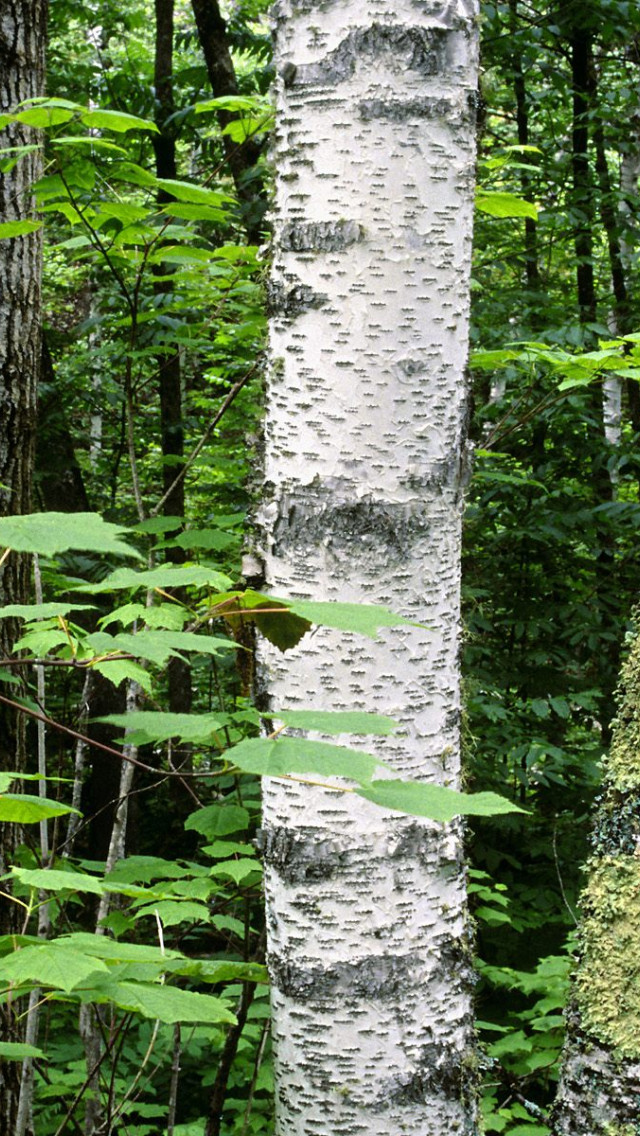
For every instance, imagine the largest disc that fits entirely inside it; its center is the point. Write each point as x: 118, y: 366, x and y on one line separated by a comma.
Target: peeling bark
x: 369, y: 947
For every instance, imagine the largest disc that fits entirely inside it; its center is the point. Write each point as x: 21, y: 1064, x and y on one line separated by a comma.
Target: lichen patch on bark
x: 608, y: 982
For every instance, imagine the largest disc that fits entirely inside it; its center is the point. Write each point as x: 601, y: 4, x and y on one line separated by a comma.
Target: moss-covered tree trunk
x: 599, y: 1091
x: 365, y: 441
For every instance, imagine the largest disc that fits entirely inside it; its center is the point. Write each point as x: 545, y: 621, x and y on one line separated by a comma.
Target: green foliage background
x: 550, y: 566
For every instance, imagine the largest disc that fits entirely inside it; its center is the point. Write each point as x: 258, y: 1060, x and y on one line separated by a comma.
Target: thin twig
x: 559, y: 874
x: 235, y: 390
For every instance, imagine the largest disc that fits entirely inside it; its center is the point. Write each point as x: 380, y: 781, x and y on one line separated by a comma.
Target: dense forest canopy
x: 135, y: 244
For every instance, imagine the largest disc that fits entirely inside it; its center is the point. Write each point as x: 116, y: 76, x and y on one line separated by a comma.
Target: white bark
x: 364, y: 465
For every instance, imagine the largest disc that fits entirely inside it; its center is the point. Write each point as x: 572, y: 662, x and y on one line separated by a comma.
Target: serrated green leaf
x: 43, y: 116
x: 282, y: 756
x: 498, y: 204
x: 10, y: 229
x: 121, y: 670
x: 99, y: 119
x: 159, y: 524
x: 20, y: 808
x: 168, y: 576
x: 191, y: 212
x: 160, y: 726
x: 335, y: 721
x: 49, y: 965
x: 364, y: 619
x: 272, y: 618
x: 210, y: 970
x: 125, y: 614
x: 210, y: 539
x: 237, y: 870
x: 18, y: 1050
x: 78, y: 141
x: 491, y: 360
x: 101, y: 947
x: 124, y: 212
x: 134, y: 175
x: 46, y: 879
x: 218, y: 820
x: 166, y: 1003
x: 187, y: 191
x: 41, y: 611
x: 143, y: 869
x: 42, y: 640
x: 172, y: 912
x: 237, y: 103
x: 52, y: 533
x: 434, y: 801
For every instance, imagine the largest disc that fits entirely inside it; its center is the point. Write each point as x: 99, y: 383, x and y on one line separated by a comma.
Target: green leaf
x: 41, y: 611
x: 210, y: 970
x: 190, y: 212
x: 10, y: 229
x: 282, y: 756
x: 124, y: 212
x: 280, y: 626
x: 49, y: 965
x: 51, y: 533
x: 143, y: 869
x: 41, y: 640
x: 492, y: 360
x: 160, y: 726
x: 434, y: 801
x: 101, y: 947
x: 187, y: 191
x: 167, y: 1003
x: 561, y: 707
x: 45, y: 879
x: 237, y: 103
x: 498, y: 204
x: 173, y: 912
x: 20, y: 808
x: 218, y: 820
x: 43, y: 116
x: 121, y: 670
x: 157, y: 525
x: 335, y: 721
x: 92, y: 143
x: 364, y: 619
x: 210, y: 539
x: 115, y: 120
x: 168, y: 576
x: 237, y: 870
x: 18, y: 1050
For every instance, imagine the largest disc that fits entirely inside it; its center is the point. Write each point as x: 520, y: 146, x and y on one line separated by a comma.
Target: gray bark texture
x: 22, y: 45
x: 369, y: 947
x: 599, y: 1090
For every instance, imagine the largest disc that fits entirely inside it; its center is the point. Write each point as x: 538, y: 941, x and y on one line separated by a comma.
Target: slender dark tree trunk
x: 22, y: 54
x: 59, y: 482
x: 242, y: 159
x: 583, y: 206
x: 169, y: 369
x: 522, y: 122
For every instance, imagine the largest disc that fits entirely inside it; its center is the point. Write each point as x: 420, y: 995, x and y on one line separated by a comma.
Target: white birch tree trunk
x: 369, y: 947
